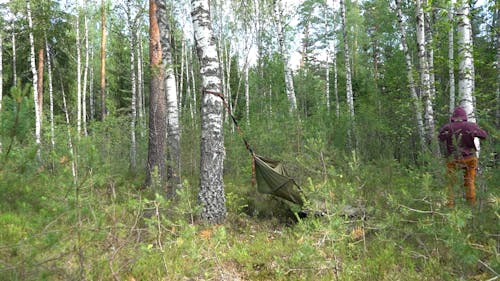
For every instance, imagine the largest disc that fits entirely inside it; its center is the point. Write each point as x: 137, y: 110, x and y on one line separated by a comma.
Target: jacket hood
x: 459, y: 115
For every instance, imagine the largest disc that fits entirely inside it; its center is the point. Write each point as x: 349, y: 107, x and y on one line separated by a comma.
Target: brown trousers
x: 469, y: 165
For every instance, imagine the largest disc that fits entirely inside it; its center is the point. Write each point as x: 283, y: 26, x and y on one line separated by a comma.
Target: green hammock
x: 273, y: 179
x: 270, y: 175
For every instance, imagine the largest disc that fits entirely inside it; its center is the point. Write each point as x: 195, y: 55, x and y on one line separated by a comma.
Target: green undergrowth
x: 381, y: 221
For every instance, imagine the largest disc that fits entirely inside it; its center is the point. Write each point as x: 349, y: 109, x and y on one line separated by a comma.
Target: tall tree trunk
x: 40, y: 82
x: 181, y: 76
x: 70, y: 140
x: 85, y: 70
x: 140, y: 86
x: 133, y: 106
x: 51, y: 95
x: 14, y: 59
x: 211, y: 194
x: 425, y: 78
x: 247, y: 96
x: 451, y: 54
x: 157, y: 106
x: 430, y: 49
x: 91, y: 87
x: 327, y: 63
x: 103, y: 60
x: 78, y: 77
x: 409, y: 73
x: 347, y: 58
x: 290, y: 91
x: 466, y: 64
x: 38, y: 120
x: 173, y: 127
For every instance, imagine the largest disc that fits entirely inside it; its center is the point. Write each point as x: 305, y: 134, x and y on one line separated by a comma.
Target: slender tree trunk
x: 85, y: 70
x: 247, y: 97
x: 173, y: 127
x: 133, y: 106
x: 290, y: 91
x: 157, y: 106
x: 430, y: 49
x: 409, y: 73
x: 103, y: 60
x: 181, y: 76
x: 211, y: 194
x: 91, y: 87
x: 451, y: 55
x: 193, y: 88
x: 14, y: 59
x: 327, y: 63
x: 466, y: 63
x: 140, y: 86
x: 38, y: 122
x: 349, y: 91
x: 78, y: 77
x: 40, y: 82
x: 335, y: 81
x: 51, y: 95
x: 70, y: 140
x: 425, y: 78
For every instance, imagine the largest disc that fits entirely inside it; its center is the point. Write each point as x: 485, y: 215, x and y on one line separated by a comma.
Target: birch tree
x: 157, y: 106
x: 409, y: 74
x: 38, y: 120
x: 14, y: 57
x: 85, y: 69
x: 466, y: 60
x: 497, y: 10
x: 133, y: 106
x: 1, y: 79
x: 211, y: 194
x: 78, y: 76
x: 172, y: 118
x: 451, y: 54
x: 466, y: 64
x: 103, y: 60
x: 424, y: 76
x: 51, y: 95
x: 290, y: 91
x: 347, y: 58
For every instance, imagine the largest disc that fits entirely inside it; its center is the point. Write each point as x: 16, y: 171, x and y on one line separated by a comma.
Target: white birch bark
x: 327, y: 62
x: 181, y: 76
x: 70, y: 140
x: 140, y: 86
x: 247, y: 97
x: 430, y: 50
x: 173, y: 127
x: 14, y: 58
x: 133, y: 106
x: 211, y: 194
x: 409, y: 73
x: 78, y: 76
x: 424, y: 74
x: 451, y: 54
x: 347, y: 56
x: 193, y: 89
x: 290, y: 91
x: 466, y: 64
x: 91, y: 87
x: 38, y: 120
x: 85, y: 71
x: 335, y: 81
x: 51, y: 95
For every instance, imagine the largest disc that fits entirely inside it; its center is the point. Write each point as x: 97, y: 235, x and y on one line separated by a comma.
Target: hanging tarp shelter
x: 270, y: 175
x: 272, y: 178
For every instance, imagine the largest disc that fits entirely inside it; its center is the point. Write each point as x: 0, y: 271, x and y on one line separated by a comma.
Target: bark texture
x: 157, y: 106
x: 173, y: 127
x: 211, y: 194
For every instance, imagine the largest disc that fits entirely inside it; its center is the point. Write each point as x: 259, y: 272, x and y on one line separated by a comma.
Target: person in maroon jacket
x: 458, y: 135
